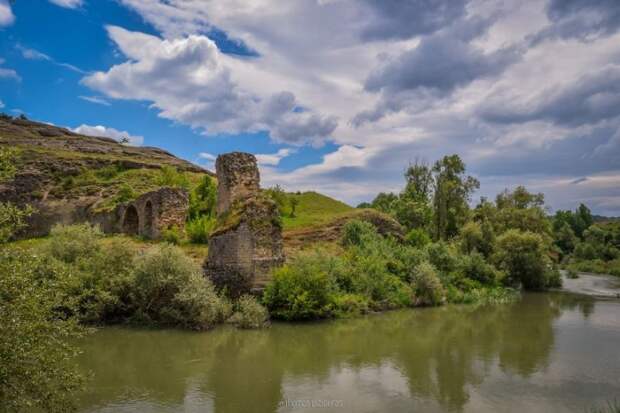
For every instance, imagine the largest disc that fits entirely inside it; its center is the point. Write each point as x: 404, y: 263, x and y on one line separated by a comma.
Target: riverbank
x: 595, y: 285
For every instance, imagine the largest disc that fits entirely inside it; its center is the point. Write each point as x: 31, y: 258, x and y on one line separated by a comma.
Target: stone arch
x: 131, y: 221
x: 148, y: 219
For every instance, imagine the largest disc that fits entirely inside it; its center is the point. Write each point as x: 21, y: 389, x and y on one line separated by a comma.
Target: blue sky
x: 336, y: 95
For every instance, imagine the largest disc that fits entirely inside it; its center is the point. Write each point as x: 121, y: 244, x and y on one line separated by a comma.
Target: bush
x: 249, y: 313
x: 418, y: 238
x: 125, y: 193
x: 173, y: 235
x: 523, y: 255
x: 67, y: 243
x: 12, y: 220
x: 475, y: 267
x: 37, y: 372
x: 427, y: 286
x: 170, y: 176
x: 358, y: 233
x: 351, y: 304
x: 443, y: 257
x: 171, y: 289
x: 199, y: 229
x: 302, y: 290
x: 572, y: 274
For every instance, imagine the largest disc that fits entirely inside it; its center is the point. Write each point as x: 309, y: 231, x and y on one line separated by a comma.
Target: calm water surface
x: 545, y: 353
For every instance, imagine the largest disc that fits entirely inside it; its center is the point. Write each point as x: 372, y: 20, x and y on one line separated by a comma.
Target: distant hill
x: 602, y: 219
x: 67, y: 176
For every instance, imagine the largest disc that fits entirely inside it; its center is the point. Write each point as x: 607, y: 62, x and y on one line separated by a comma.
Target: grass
x: 314, y: 209
x: 197, y: 252
x: 597, y: 267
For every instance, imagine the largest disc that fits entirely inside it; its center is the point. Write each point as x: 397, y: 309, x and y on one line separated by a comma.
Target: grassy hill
x: 314, y: 209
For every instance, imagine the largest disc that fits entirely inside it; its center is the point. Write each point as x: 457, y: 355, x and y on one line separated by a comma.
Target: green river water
x: 548, y: 352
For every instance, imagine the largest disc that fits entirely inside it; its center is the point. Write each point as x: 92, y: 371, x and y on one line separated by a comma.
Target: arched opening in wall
x: 131, y: 221
x: 148, y: 219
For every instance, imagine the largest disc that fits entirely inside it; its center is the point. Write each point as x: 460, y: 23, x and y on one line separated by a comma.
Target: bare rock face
x: 247, y: 244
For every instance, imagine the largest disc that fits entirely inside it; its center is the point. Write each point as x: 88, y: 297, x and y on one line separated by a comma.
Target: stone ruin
x: 150, y: 214
x: 247, y: 243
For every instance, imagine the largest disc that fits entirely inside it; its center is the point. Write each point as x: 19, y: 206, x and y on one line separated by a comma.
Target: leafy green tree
x: 294, y: 202
x: 203, y: 199
x: 384, y: 202
x: 522, y: 210
x: 37, y: 368
x: 452, y: 193
x: 523, y: 256
x: 278, y: 196
x: 565, y: 239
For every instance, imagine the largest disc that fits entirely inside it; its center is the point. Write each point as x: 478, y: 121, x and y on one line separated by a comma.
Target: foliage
x: 199, y: 229
x: 572, y: 274
x: 170, y: 289
x: 418, y: 238
x: 37, y: 372
x: 203, y: 199
x: 453, y: 190
x: 427, y: 286
x: 313, y: 209
x: 12, y: 220
x: 8, y: 163
x: 70, y: 242
x: 249, y: 313
x: 475, y: 267
x: 277, y: 195
x: 523, y: 256
x: 358, y: 233
x: 478, y: 237
x: 294, y: 202
x: 125, y: 193
x: 171, y: 177
x: 303, y: 289
x: 173, y: 235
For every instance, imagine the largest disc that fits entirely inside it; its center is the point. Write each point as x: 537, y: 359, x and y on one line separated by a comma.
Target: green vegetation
x: 249, y: 313
x: 312, y: 209
x: 376, y: 273
x: 12, y: 220
x: 8, y: 163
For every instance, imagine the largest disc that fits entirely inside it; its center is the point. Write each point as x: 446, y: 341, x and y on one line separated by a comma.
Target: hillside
x: 67, y: 176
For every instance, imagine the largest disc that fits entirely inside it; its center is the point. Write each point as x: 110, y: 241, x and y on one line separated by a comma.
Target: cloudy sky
x: 336, y: 95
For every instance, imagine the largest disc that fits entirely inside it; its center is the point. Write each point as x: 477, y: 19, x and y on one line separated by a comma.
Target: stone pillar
x: 247, y: 243
x: 237, y: 178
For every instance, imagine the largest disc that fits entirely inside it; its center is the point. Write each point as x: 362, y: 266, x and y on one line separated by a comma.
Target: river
x: 548, y: 352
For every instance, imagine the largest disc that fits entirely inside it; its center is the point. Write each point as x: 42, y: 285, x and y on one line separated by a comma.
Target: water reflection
x: 443, y: 359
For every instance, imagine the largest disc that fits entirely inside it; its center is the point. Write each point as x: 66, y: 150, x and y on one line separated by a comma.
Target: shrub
x: 418, y: 238
x: 8, y: 162
x: 249, y: 313
x: 37, y: 372
x: 171, y: 289
x: 12, y: 220
x: 572, y: 274
x: 427, y: 286
x: 170, y: 176
x: 67, y: 243
x: 277, y: 195
x: 173, y: 235
x: 203, y: 199
x: 475, y: 267
x: 358, y: 233
x: 302, y: 290
x: 199, y: 229
x: 102, y: 291
x: 523, y: 255
x: 443, y: 257
x: 351, y: 304
x: 125, y: 193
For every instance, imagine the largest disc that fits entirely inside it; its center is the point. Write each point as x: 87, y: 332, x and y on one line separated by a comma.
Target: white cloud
x: 9, y: 74
x: 6, y: 14
x: 95, y: 99
x: 326, y: 72
x: 70, y: 4
x: 32, y: 54
x: 273, y: 159
x: 190, y: 81
x: 109, y: 133
x: 1, y: 104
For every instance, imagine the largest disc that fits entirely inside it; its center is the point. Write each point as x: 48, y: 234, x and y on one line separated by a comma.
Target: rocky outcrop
x: 247, y: 244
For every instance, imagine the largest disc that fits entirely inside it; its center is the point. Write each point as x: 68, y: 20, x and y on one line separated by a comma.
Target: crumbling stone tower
x: 247, y: 243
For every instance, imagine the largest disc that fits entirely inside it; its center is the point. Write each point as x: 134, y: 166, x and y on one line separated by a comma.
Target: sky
x: 337, y: 96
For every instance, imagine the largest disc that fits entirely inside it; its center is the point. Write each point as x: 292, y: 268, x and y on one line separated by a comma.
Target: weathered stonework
x: 237, y: 177
x: 149, y: 215
x: 247, y: 244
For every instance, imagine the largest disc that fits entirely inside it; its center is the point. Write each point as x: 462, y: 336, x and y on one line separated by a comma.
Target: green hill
x: 314, y: 209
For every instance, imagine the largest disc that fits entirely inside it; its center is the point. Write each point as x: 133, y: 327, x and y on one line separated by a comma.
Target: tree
x: 294, y: 202
x: 203, y: 199
x: 384, y: 202
x: 452, y: 193
x: 523, y: 256
x: 277, y: 195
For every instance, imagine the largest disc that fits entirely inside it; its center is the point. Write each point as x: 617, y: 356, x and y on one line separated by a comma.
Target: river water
x: 548, y: 352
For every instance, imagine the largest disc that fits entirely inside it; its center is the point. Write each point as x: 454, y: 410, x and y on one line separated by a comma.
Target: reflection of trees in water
x: 441, y: 352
